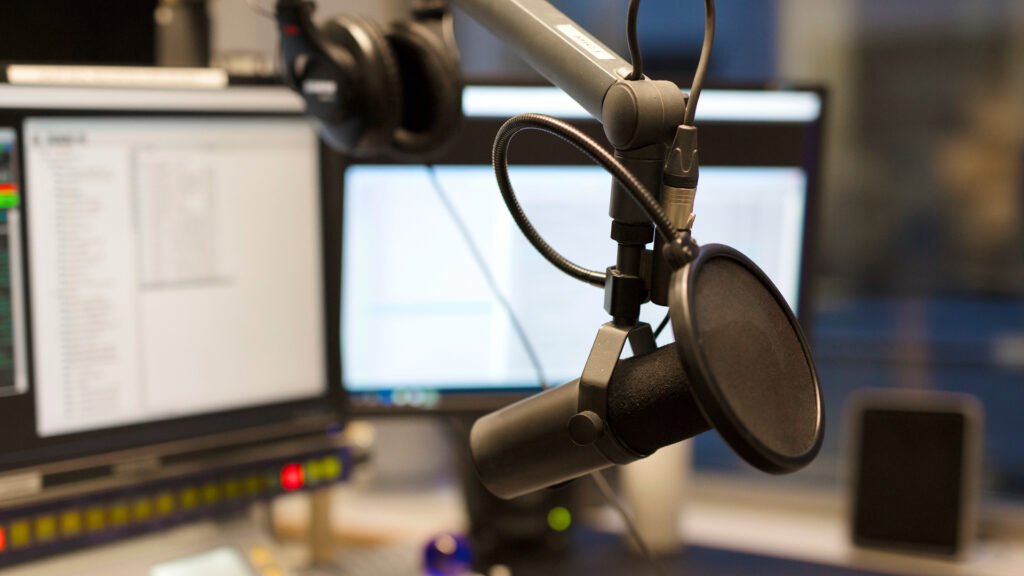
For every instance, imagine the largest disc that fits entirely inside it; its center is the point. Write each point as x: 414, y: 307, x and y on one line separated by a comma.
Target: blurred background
x: 919, y: 268
x: 919, y: 254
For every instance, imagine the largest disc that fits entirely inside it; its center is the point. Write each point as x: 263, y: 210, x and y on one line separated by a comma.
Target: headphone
x: 374, y: 89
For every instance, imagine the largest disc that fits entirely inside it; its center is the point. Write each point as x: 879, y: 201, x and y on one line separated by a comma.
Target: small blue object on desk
x: 448, y: 555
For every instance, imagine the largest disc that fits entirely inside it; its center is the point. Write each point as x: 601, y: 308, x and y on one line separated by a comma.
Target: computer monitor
x: 422, y: 326
x: 167, y: 265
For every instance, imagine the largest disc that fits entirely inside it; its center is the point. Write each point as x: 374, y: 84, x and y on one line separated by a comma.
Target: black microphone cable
x: 661, y: 326
x: 481, y: 264
x: 702, y: 64
x: 633, y: 42
x: 596, y: 153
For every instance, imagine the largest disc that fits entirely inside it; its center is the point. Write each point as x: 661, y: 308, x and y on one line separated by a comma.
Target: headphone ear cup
x: 377, y: 85
x: 431, y: 86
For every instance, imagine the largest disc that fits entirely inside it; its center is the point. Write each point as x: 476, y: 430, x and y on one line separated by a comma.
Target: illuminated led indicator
x: 211, y: 494
x: 559, y: 519
x: 232, y: 488
x: 164, y: 503
x: 3, y: 539
x: 46, y: 528
x: 95, y: 519
x: 9, y: 195
x: 70, y: 523
x: 142, y: 510
x: 253, y: 485
x: 21, y: 534
x: 314, y: 471
x: 189, y: 498
x: 291, y: 477
x: 331, y: 467
x: 119, y: 514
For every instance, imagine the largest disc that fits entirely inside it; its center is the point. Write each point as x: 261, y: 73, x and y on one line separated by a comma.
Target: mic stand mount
x: 589, y: 425
x: 640, y: 118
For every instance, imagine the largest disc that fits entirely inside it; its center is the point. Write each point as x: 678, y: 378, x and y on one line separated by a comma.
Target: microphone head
x: 747, y: 359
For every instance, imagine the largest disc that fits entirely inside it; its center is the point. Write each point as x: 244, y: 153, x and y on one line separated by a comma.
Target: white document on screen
x: 175, y: 267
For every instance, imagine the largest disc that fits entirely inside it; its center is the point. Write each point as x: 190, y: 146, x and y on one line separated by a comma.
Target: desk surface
x: 602, y: 553
x: 777, y: 536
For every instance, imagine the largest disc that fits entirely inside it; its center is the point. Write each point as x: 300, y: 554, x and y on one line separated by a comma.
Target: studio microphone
x: 740, y: 364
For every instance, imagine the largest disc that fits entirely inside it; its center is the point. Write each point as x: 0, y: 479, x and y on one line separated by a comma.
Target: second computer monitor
x: 430, y: 253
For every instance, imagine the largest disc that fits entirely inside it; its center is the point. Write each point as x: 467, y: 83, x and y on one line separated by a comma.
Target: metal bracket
x: 590, y: 424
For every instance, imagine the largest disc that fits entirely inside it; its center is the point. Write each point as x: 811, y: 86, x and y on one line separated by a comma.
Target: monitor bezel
x: 729, y: 139
x: 321, y: 413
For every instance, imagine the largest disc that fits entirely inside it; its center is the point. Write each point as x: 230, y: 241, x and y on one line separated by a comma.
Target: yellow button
x: 331, y: 467
x: 232, y: 488
x: 164, y: 503
x: 253, y: 485
x: 142, y: 509
x: 211, y: 494
x: 20, y: 534
x: 95, y: 519
x: 189, y: 498
x: 119, y: 515
x: 314, y: 471
x: 46, y: 528
x: 70, y: 523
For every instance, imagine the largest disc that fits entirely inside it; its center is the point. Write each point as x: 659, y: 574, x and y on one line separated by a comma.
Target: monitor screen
x: 174, y: 279
x: 423, y: 318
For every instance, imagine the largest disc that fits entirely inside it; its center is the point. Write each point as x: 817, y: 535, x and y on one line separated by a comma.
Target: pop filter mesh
x: 755, y: 358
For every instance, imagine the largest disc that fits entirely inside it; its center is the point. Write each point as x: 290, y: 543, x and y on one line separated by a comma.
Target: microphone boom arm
x: 555, y: 46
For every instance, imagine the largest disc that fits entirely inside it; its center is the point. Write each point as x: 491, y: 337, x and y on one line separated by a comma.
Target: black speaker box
x: 914, y: 466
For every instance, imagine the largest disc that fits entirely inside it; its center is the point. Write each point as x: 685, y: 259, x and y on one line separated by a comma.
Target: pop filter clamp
x: 589, y: 426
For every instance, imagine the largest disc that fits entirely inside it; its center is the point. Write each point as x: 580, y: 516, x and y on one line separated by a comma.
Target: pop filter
x: 749, y: 366
x: 741, y: 365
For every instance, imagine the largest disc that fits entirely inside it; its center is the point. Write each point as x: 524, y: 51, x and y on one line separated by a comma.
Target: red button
x: 292, y: 477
